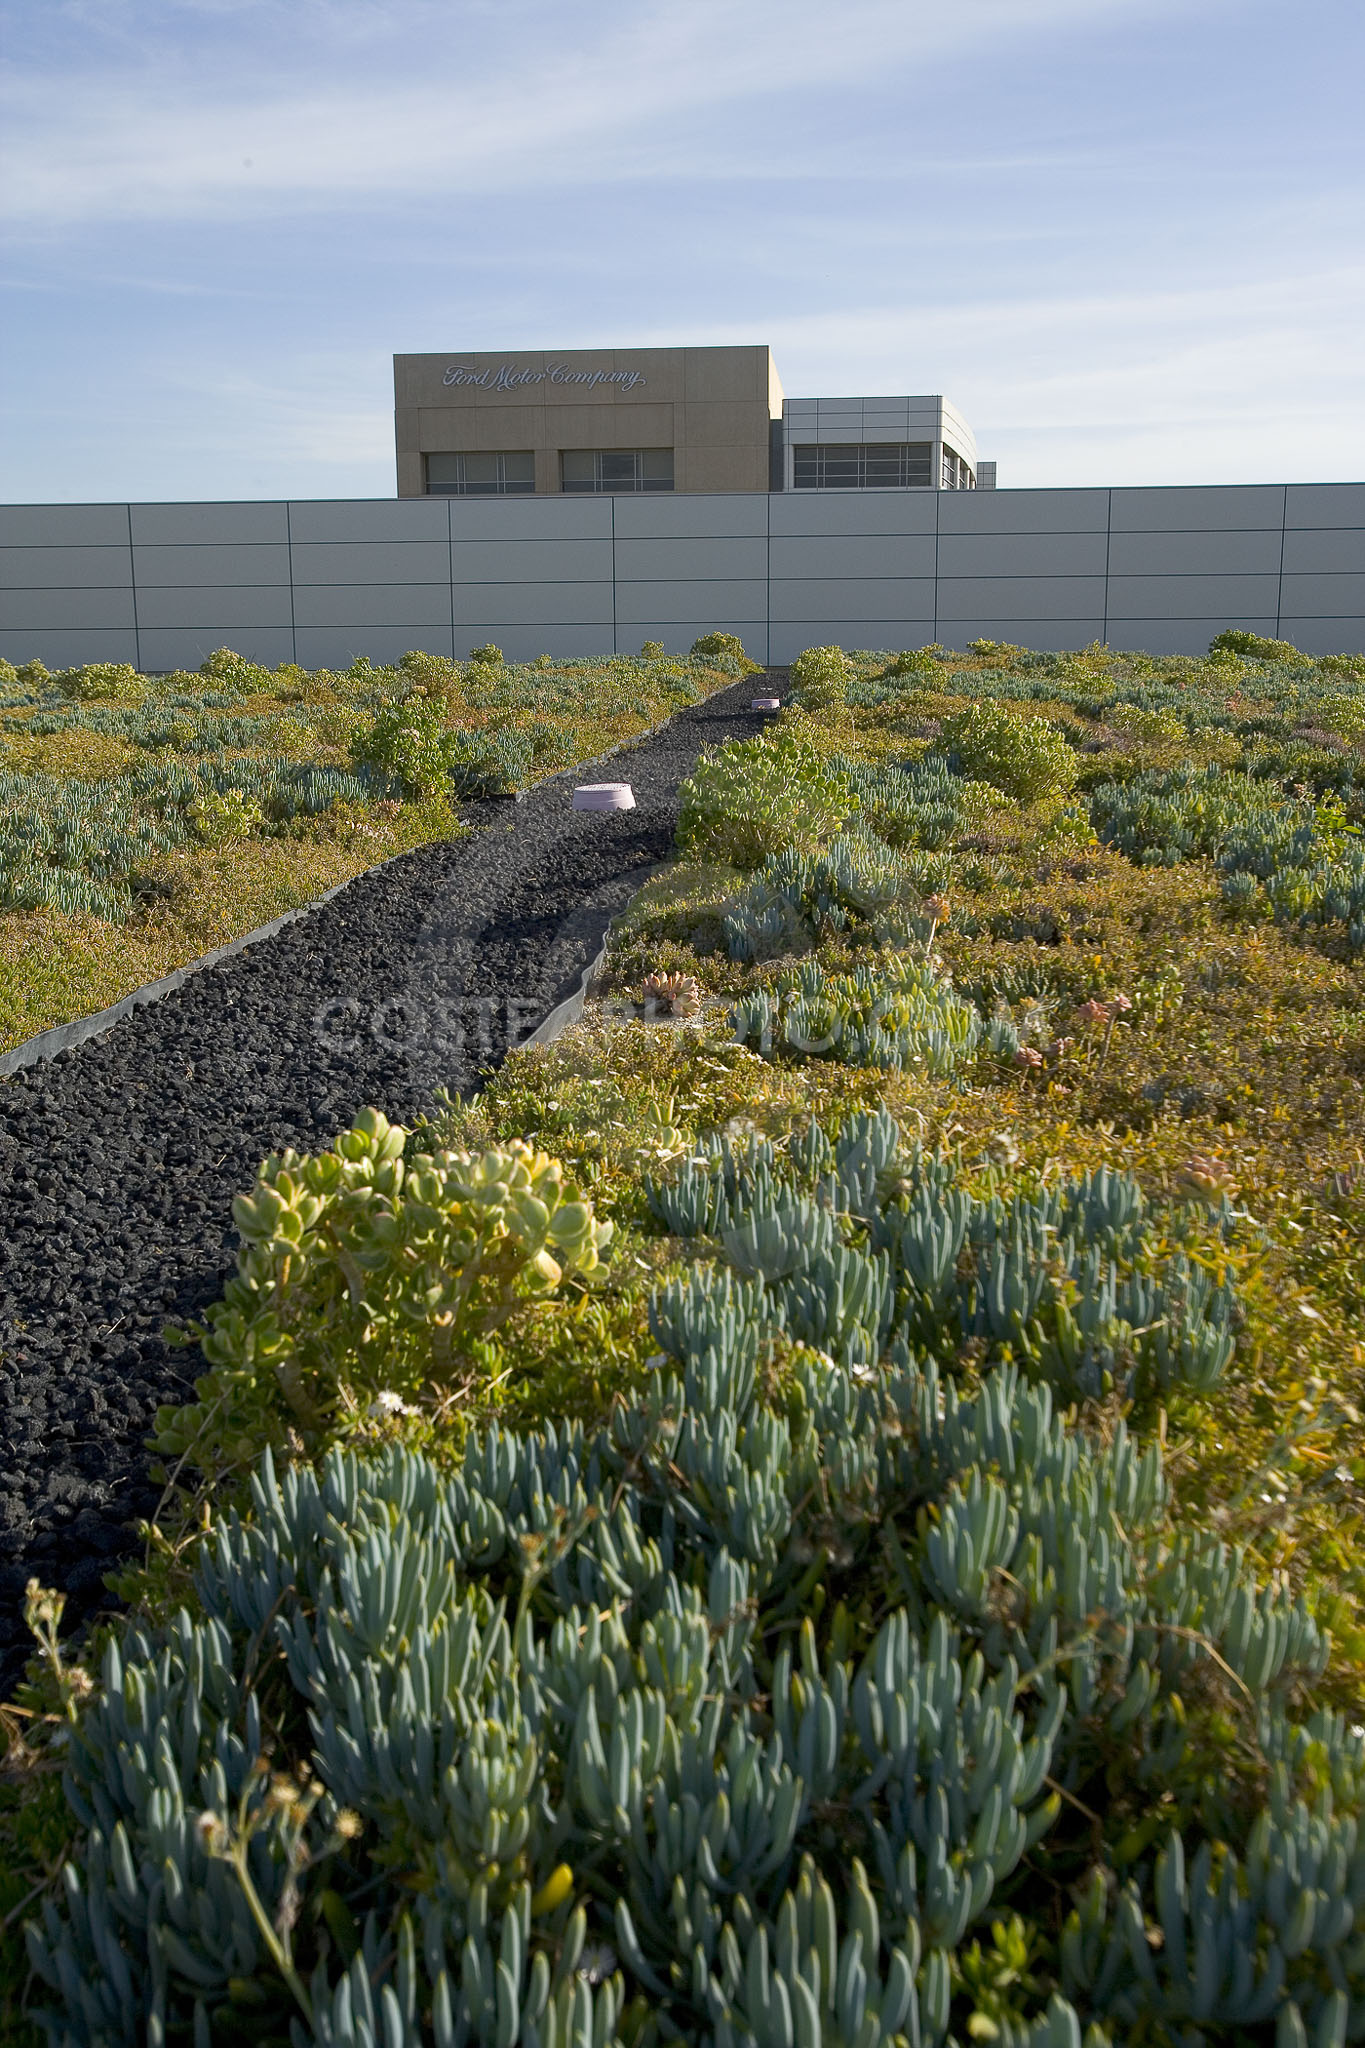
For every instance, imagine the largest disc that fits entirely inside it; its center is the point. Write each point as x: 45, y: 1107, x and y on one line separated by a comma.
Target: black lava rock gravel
x: 120, y: 1158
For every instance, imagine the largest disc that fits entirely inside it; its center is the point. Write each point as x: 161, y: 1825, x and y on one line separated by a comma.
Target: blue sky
x: 1124, y: 236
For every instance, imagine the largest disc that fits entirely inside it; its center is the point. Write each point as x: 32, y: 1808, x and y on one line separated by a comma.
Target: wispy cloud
x: 1077, y: 217
x: 1237, y: 380
x: 331, y: 113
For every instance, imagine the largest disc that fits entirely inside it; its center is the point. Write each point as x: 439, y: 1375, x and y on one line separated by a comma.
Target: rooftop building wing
x: 878, y: 442
x: 929, y: 416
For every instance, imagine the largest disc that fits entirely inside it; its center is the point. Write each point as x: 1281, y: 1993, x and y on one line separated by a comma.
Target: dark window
x: 862, y: 465
x: 616, y: 469
x: 777, y: 480
x: 498, y: 473
x: 957, y: 471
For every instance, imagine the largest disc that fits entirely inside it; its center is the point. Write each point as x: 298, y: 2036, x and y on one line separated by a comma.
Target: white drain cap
x: 604, y: 796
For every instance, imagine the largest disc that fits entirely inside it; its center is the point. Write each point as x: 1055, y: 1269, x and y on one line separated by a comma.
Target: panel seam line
x: 937, y: 499
x: 132, y: 585
x: 1108, y: 542
x: 293, y: 617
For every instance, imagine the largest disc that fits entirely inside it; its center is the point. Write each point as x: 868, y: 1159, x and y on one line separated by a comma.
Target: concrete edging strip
x: 62, y: 1037
x: 570, y: 1010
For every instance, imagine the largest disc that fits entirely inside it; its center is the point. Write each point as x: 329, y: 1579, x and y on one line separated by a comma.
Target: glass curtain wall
x: 862, y: 466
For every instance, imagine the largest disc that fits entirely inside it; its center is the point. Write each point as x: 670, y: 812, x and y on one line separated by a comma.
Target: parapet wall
x: 322, y: 581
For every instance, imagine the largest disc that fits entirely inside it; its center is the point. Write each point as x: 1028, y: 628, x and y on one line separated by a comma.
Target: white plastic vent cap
x: 604, y: 796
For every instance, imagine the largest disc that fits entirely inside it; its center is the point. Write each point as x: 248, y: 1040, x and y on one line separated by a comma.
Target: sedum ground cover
x: 145, y: 820
x: 825, y: 1507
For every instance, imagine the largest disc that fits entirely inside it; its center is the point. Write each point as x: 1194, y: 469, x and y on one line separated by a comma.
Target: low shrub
x: 998, y: 651
x: 224, y: 667
x: 922, y: 661
x: 680, y: 684
x: 409, y: 741
x: 219, y: 817
x: 755, y: 797
x: 1025, y: 758
x: 709, y: 645
x: 1344, y: 715
x: 108, y: 681
x: 1254, y: 646
x: 1137, y: 722
x: 367, y: 1276
x: 821, y: 677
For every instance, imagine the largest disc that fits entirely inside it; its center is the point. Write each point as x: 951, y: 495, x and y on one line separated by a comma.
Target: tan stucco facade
x: 714, y: 407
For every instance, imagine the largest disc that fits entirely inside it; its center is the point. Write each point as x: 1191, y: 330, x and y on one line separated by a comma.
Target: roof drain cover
x: 604, y: 796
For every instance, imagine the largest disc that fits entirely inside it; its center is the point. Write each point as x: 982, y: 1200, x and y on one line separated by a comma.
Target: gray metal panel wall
x: 325, y: 581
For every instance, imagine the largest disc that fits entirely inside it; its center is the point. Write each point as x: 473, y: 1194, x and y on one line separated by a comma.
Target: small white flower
x: 388, y: 1403
x: 212, y: 1832
x: 597, y: 1962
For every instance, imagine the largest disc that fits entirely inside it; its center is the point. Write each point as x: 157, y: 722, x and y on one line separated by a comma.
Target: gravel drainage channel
x: 119, y: 1159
